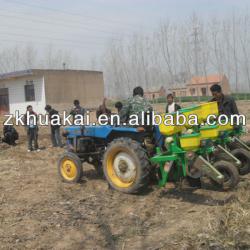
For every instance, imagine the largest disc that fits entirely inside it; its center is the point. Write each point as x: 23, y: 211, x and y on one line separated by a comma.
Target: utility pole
x: 196, y: 42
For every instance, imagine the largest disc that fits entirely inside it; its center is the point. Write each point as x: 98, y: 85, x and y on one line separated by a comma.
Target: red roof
x: 210, y: 79
x: 156, y: 91
x: 151, y: 92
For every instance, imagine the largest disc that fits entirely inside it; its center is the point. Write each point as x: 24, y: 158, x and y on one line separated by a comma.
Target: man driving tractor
x: 135, y: 106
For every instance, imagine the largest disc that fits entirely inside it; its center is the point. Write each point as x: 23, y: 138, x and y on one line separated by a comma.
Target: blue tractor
x: 120, y: 153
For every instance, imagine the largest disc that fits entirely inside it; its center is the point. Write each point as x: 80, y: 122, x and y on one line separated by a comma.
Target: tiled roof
x: 206, y: 79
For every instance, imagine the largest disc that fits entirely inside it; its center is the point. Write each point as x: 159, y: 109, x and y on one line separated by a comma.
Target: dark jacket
x: 227, y: 106
x: 103, y: 111
x: 9, y: 129
x: 176, y: 107
x: 10, y: 135
x: 51, y: 113
x: 26, y: 121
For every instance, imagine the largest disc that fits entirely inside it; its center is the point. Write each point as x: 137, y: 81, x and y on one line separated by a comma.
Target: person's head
x: 216, y: 91
x: 170, y: 99
x: 76, y: 102
x: 118, y: 106
x: 138, y: 91
x: 48, y: 108
x: 29, y: 108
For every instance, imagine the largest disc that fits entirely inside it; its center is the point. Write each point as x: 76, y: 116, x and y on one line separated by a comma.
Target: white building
x: 55, y: 87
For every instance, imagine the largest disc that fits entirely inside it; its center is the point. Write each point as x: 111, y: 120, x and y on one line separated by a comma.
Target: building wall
x: 17, y: 94
x: 152, y: 95
x: 63, y: 87
x: 178, y: 92
x: 188, y: 91
x: 198, y: 89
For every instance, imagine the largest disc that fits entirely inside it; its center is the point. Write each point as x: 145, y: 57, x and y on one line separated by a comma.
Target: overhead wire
x: 56, y: 23
x: 71, y: 13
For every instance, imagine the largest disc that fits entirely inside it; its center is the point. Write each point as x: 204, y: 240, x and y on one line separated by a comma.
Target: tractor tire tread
x: 141, y: 153
x: 78, y: 163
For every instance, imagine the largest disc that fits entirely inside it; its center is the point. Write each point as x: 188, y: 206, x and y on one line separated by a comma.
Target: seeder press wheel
x: 230, y: 173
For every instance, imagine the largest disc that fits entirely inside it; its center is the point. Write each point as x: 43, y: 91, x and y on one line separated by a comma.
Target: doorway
x: 4, y: 101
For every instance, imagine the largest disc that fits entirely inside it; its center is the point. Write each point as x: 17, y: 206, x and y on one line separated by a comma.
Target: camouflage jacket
x: 134, y: 106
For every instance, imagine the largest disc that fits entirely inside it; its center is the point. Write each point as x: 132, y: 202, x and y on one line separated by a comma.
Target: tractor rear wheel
x: 230, y: 173
x: 70, y: 167
x: 126, y: 165
x: 244, y: 156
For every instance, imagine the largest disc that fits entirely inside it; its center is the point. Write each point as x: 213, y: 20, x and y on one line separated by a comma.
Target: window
x: 204, y: 91
x: 29, y: 91
x: 192, y: 91
x: 183, y: 93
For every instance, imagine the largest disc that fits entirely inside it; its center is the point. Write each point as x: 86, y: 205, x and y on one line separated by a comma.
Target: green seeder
x: 201, y: 150
x: 229, y: 146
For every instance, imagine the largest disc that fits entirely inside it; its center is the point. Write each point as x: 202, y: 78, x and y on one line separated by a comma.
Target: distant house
x: 58, y: 88
x: 179, y: 90
x: 200, y: 86
x: 151, y: 95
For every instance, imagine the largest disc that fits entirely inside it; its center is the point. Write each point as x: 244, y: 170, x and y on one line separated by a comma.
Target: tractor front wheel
x: 244, y: 156
x: 70, y: 167
x: 230, y: 173
x: 126, y: 165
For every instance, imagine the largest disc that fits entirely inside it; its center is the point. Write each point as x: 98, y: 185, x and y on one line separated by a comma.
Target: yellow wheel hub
x: 68, y: 169
x: 121, y: 169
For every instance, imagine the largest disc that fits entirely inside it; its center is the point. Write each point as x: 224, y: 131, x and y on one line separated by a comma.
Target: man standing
x: 30, y: 121
x: 77, y: 110
x: 137, y: 105
x: 226, y: 104
x: 171, y: 105
x: 55, y: 129
x: 118, y: 106
x: 103, y: 110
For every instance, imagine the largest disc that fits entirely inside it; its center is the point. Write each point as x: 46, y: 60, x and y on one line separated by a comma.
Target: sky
x: 87, y: 27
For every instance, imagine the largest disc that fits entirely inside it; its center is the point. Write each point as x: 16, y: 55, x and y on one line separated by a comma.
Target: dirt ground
x: 39, y: 211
